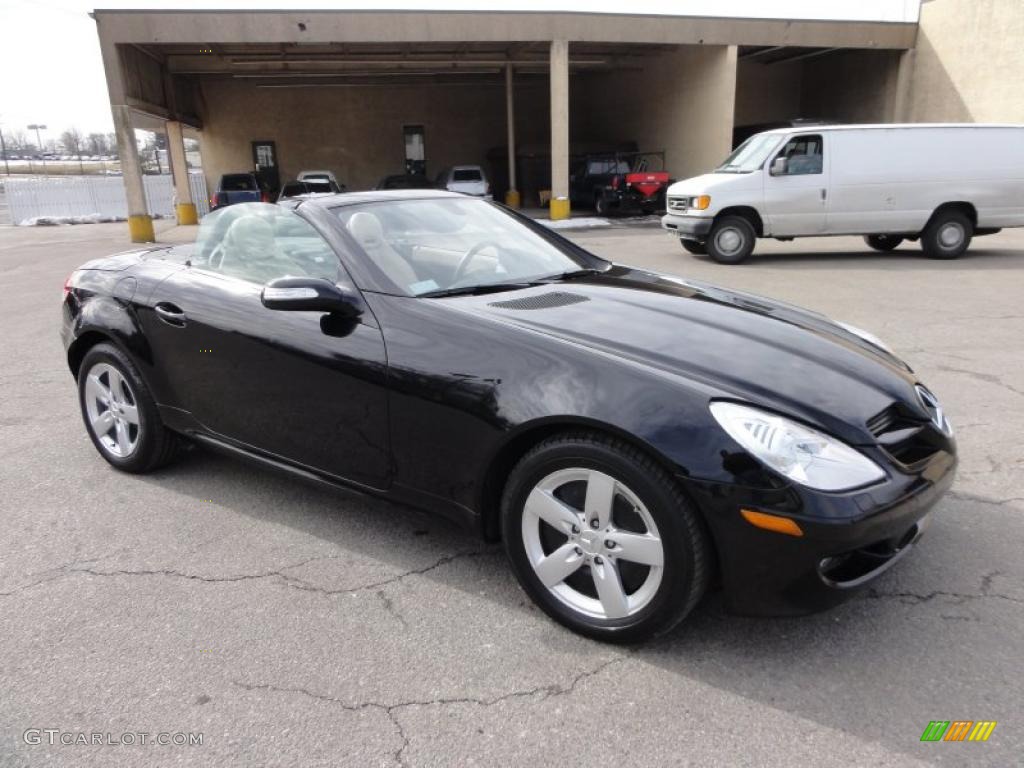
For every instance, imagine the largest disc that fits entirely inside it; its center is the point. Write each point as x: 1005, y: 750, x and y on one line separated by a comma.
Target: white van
x: 942, y: 184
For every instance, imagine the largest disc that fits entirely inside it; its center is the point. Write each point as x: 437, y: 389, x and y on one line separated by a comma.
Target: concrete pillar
x: 184, y: 209
x: 512, y: 196
x: 900, y: 110
x: 559, y: 206
x: 140, y: 225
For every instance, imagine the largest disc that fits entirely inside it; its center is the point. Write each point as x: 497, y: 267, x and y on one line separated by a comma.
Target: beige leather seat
x: 251, y: 253
x: 367, y: 231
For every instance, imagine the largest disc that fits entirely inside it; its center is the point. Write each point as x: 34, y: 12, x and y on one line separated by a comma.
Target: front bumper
x: 689, y: 227
x: 848, y: 540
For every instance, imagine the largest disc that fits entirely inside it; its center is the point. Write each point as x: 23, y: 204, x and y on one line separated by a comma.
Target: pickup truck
x: 237, y: 188
x: 620, y: 182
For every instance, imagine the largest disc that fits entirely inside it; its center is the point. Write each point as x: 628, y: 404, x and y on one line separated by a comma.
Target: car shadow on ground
x: 878, y: 654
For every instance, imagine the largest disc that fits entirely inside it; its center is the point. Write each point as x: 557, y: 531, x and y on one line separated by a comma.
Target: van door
x: 796, y: 187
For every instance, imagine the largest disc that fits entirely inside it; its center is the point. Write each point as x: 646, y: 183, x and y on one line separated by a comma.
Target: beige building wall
x: 851, y: 86
x: 681, y: 102
x: 968, y: 63
x: 357, y: 131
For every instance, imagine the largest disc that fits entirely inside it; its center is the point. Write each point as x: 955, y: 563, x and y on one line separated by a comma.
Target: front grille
x: 541, y: 301
x: 678, y: 204
x: 908, y: 439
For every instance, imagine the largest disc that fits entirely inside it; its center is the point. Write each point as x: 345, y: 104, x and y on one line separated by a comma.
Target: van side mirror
x: 780, y: 166
x: 311, y: 294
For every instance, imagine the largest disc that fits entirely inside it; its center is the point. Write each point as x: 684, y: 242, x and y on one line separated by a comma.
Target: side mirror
x: 780, y: 166
x: 311, y: 294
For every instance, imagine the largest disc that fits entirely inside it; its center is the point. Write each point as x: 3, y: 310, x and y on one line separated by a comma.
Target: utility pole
x: 3, y: 151
x: 39, y: 141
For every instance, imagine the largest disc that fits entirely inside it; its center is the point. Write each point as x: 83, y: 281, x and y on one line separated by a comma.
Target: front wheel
x: 947, y: 235
x: 602, y: 539
x: 694, y: 247
x: 731, y: 240
x: 601, y: 205
x: 883, y: 243
x: 119, y: 413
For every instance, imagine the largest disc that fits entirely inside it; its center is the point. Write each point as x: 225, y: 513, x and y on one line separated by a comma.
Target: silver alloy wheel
x: 592, y: 540
x: 951, y: 235
x: 112, y: 410
x: 729, y: 241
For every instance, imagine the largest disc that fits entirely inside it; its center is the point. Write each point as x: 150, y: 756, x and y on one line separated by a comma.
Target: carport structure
x: 371, y: 93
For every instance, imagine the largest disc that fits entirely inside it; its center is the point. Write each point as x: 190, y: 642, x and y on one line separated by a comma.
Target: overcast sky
x: 50, y: 69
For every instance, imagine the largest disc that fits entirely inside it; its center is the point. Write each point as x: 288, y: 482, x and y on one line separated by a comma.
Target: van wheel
x: 731, y: 240
x: 947, y: 235
x: 694, y: 247
x: 883, y: 243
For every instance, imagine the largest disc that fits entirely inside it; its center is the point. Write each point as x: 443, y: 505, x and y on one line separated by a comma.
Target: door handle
x: 170, y: 314
x: 824, y: 193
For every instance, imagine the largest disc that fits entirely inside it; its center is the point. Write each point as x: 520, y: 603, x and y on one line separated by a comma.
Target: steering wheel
x: 467, y: 259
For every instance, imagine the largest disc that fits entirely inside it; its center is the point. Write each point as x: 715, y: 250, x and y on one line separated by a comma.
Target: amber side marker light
x: 771, y: 522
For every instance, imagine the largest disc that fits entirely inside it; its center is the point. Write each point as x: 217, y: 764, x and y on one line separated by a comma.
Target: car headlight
x: 799, y: 453
x: 869, y: 337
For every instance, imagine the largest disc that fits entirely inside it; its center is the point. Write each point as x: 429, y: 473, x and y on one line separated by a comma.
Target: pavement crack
x: 57, y: 572
x: 916, y: 598
x: 987, y: 378
x: 982, y: 500
x: 391, y: 709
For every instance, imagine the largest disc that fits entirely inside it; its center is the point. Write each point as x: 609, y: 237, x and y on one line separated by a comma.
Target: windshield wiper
x: 571, y: 274
x: 476, y: 290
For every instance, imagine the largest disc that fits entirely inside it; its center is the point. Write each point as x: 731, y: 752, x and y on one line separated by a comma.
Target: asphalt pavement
x: 291, y: 626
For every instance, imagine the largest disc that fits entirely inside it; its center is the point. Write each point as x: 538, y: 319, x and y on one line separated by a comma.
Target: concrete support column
x: 559, y: 205
x: 184, y: 209
x: 900, y: 109
x: 140, y: 225
x: 512, y: 196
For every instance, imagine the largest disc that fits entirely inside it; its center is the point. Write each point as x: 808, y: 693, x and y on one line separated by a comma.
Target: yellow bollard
x: 186, y: 213
x: 140, y: 228
x: 559, y: 208
x: 512, y: 199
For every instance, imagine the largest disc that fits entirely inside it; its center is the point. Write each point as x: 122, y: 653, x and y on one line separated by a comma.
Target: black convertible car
x: 632, y: 438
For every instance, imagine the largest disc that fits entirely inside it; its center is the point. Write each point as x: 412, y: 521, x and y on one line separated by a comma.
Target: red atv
x: 620, y: 182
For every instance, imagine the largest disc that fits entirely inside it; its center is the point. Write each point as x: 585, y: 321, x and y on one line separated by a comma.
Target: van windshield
x: 750, y: 155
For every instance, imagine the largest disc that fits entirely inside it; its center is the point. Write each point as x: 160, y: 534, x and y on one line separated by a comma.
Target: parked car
x: 940, y: 184
x: 405, y: 181
x: 620, y: 182
x: 631, y: 437
x: 327, y: 176
x: 465, y: 179
x: 309, y: 187
x: 234, y: 188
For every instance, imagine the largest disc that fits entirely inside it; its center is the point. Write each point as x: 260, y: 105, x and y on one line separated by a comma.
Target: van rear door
x: 796, y: 187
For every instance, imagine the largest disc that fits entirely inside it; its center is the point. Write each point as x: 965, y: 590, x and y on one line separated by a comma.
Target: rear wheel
x: 694, y: 247
x: 602, y: 539
x: 120, y: 415
x: 601, y: 205
x: 731, y: 240
x: 883, y: 243
x: 947, y: 235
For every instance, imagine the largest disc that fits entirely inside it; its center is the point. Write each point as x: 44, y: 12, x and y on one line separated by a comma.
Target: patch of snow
x: 580, y: 222
x: 92, y: 218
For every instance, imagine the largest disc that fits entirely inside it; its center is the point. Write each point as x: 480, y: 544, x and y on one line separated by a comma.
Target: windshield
x: 750, y: 155
x: 447, y: 244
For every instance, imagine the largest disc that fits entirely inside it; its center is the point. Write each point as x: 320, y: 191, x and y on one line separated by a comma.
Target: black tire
x: 694, y: 247
x: 947, y: 235
x: 883, y: 243
x: 154, y: 445
x: 727, y: 230
x: 687, y: 557
x: 601, y: 206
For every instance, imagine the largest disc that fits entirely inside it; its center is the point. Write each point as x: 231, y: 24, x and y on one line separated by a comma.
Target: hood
x: 725, y: 343
x: 707, y: 183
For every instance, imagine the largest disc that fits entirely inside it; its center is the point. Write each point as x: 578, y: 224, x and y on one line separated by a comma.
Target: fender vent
x: 541, y: 301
